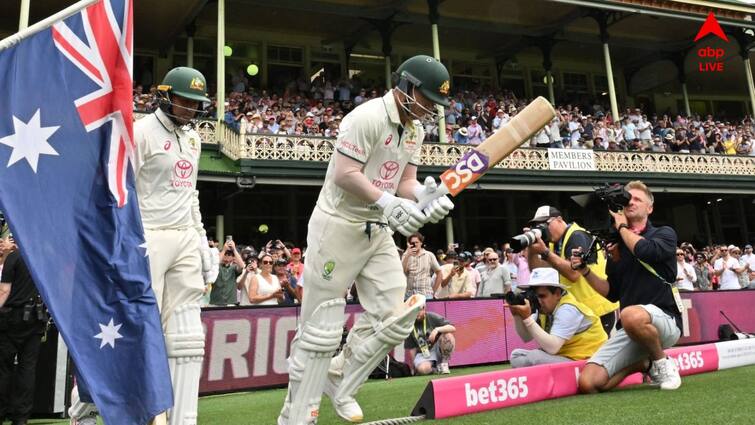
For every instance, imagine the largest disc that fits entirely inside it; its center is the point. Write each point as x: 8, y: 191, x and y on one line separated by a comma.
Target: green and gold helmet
x: 185, y: 82
x: 428, y: 75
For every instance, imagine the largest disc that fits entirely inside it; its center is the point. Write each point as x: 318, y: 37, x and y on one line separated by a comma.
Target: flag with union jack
x: 67, y: 190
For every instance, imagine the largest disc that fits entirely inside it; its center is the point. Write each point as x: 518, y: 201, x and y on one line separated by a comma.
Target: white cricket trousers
x: 175, y: 268
x: 370, y: 260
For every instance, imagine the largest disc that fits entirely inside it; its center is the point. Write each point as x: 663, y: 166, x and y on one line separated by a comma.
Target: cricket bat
x: 476, y: 162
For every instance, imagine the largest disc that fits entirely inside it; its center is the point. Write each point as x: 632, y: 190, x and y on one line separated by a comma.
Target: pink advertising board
x: 247, y: 347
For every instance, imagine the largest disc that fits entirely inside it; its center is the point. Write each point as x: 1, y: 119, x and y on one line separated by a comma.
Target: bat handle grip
x: 424, y: 200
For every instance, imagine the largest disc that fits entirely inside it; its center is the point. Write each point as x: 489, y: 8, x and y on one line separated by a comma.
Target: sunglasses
x: 492, y: 260
x: 267, y: 262
x: 679, y: 253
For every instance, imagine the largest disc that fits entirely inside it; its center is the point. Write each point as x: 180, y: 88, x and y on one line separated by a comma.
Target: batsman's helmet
x: 428, y: 75
x: 185, y: 82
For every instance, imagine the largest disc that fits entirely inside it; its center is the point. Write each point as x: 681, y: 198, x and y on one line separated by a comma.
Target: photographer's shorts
x: 621, y: 351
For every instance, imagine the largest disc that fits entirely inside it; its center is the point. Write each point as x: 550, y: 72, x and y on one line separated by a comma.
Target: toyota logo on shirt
x: 388, y: 170
x: 183, y: 169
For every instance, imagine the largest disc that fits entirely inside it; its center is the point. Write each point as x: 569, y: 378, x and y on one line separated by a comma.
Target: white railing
x: 319, y: 149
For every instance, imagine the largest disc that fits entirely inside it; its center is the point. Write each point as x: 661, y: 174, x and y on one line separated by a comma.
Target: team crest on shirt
x: 194, y: 145
x: 327, y: 269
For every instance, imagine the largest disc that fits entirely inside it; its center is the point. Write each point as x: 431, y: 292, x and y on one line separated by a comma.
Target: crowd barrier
x: 247, y: 347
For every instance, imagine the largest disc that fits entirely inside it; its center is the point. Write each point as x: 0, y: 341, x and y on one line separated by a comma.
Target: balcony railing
x: 319, y: 149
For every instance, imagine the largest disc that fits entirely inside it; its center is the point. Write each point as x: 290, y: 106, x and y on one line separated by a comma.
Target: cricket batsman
x: 166, y: 166
x: 370, y: 190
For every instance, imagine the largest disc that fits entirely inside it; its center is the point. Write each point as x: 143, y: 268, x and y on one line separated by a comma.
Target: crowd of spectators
x: 273, y: 274
x: 316, y: 108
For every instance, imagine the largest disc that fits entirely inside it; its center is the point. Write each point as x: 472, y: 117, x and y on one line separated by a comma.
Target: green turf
x: 723, y: 397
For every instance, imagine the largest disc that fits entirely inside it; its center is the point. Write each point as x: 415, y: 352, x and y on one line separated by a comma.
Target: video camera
x: 519, y: 242
x: 597, y: 222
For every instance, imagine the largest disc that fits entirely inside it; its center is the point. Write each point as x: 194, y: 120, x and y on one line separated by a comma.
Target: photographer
x: 23, y: 318
x: 563, y: 328
x: 640, y: 275
x: 431, y: 343
x: 563, y: 238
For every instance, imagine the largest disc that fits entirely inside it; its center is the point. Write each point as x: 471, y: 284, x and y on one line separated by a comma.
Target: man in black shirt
x: 22, y: 323
x: 639, y: 273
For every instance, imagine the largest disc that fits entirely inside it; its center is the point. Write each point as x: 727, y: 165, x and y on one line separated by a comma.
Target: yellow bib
x: 583, y: 344
x: 581, y: 289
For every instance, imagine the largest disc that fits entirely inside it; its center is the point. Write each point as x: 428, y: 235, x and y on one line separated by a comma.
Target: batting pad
x: 311, y: 350
x: 184, y: 340
x: 360, y: 355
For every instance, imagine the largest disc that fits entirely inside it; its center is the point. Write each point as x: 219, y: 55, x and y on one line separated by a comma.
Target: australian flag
x: 67, y: 190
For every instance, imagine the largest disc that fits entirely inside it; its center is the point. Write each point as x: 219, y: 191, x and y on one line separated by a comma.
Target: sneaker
x: 443, y: 369
x: 650, y: 375
x: 667, y: 374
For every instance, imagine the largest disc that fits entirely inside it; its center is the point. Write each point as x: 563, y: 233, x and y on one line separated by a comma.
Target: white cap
x: 543, y: 276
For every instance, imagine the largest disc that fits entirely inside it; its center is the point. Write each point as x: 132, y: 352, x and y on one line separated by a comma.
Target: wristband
x: 622, y: 226
x: 586, y: 274
x: 544, y: 255
x: 384, y: 200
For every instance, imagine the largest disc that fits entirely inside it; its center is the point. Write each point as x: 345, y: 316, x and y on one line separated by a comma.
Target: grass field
x: 724, y: 397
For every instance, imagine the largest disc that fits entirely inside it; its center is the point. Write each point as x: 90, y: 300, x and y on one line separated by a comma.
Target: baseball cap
x: 544, y: 213
x: 543, y: 276
x: 465, y: 256
x: 451, y: 254
x: 477, y: 253
x: 281, y: 262
x: 748, y: 246
x: 296, y: 251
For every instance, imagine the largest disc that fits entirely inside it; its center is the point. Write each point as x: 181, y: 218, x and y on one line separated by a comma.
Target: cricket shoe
x: 443, y: 369
x: 347, y: 408
x: 90, y: 419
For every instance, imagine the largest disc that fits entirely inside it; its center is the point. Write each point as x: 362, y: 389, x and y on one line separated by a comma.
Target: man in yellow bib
x: 555, y: 252
x: 564, y: 328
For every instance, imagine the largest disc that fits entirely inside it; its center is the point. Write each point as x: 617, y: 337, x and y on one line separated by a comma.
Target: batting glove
x: 402, y: 214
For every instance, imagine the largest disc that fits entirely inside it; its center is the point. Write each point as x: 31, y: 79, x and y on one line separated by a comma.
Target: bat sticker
x: 469, y: 168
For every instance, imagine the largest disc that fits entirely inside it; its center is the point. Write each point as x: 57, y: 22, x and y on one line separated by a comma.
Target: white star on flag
x: 29, y: 141
x: 109, y: 334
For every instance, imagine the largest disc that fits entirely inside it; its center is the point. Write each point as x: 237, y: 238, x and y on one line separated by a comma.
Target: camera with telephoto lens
x: 513, y: 298
x: 598, y: 223
x: 519, y: 242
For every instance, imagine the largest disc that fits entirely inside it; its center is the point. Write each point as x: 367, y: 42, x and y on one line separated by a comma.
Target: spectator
x: 287, y: 281
x: 224, y: 289
x: 497, y: 278
x: 475, y: 131
x: 296, y: 266
x: 431, y: 343
x: 685, y: 274
x: 563, y: 328
x: 419, y: 266
x: 702, y: 272
x: 467, y: 259
x: 743, y: 270
x: 244, y: 280
x: 455, y: 281
x: 749, y: 258
x: 212, y: 274
x: 264, y: 287
x: 462, y: 136
x: 727, y: 268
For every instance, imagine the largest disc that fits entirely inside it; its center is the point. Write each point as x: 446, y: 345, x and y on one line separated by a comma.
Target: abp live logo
x: 711, y: 59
